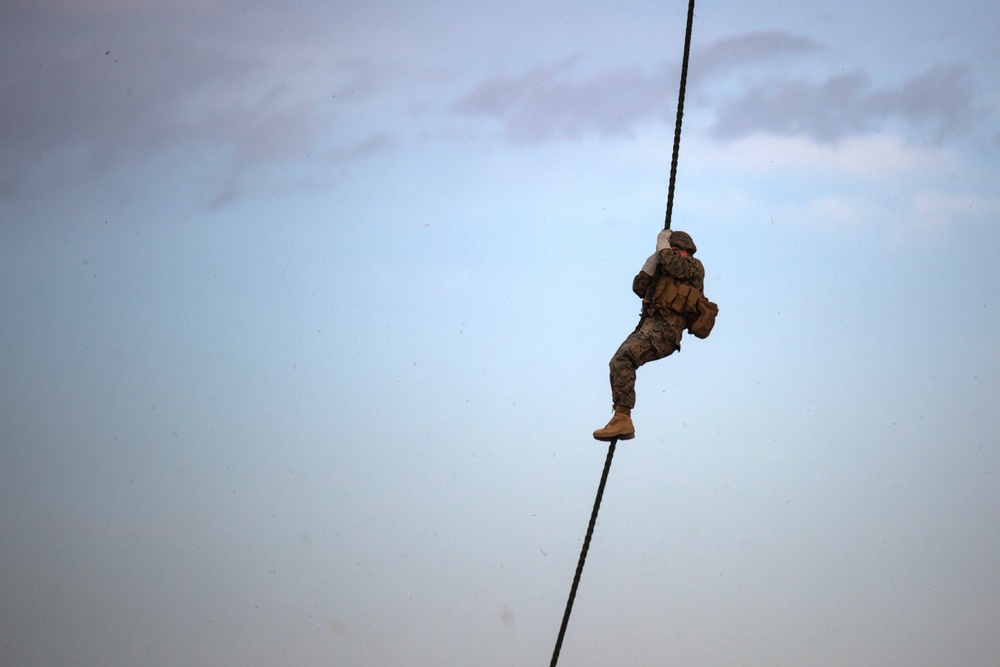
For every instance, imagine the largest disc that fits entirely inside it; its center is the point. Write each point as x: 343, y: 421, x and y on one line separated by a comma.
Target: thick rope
x: 680, y: 116
x: 611, y: 447
x: 583, y: 553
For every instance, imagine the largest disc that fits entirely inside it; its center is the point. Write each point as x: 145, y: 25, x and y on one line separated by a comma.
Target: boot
x: 619, y: 428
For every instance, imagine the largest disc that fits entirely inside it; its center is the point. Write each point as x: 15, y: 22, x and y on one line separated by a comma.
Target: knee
x: 621, y: 362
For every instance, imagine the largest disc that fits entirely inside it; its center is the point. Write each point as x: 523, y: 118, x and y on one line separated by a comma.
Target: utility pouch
x: 703, y: 324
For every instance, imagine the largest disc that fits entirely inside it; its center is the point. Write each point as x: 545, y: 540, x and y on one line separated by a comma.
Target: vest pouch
x: 677, y: 297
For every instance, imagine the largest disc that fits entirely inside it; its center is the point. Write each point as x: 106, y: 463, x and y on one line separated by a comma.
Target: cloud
x: 547, y: 103
x: 753, y: 48
x: 556, y: 102
x: 376, y: 143
x: 553, y: 102
x: 100, y: 96
x: 93, y: 110
x: 938, y: 102
x: 86, y: 93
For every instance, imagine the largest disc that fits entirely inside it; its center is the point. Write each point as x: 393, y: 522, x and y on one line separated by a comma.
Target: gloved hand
x: 663, y: 240
x: 649, y: 268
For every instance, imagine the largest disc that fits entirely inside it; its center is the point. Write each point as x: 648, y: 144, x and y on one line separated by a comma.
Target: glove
x: 663, y: 240
x: 649, y: 268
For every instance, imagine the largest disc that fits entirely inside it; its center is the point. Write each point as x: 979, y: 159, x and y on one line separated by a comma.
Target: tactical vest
x: 670, y: 295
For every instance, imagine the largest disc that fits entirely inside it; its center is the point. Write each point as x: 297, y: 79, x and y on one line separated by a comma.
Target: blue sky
x: 308, y: 310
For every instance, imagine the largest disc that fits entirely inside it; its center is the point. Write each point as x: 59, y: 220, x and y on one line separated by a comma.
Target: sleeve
x: 641, y: 283
x: 683, y: 268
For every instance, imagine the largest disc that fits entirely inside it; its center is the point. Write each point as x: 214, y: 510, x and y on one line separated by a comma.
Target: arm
x: 687, y: 269
x: 643, y: 279
x: 641, y: 283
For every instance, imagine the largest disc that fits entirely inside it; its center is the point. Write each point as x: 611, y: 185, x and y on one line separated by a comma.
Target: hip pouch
x: 703, y: 324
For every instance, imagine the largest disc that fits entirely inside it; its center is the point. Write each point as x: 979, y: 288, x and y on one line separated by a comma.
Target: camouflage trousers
x: 655, y: 337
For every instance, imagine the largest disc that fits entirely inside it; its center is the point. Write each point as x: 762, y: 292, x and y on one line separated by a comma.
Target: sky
x: 308, y: 308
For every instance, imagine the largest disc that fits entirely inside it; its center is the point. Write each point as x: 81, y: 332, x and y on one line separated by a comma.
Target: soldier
x: 670, y: 284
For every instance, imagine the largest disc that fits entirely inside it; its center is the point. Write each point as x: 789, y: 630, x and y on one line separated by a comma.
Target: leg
x: 651, y: 341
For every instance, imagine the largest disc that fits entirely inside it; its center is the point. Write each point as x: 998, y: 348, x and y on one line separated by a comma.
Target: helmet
x: 683, y: 241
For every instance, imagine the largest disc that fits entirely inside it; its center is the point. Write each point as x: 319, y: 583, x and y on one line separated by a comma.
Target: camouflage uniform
x: 659, y: 331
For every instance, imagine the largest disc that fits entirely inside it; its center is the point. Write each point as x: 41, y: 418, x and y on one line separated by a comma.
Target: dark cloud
x: 550, y: 103
x: 84, y: 93
x: 737, y: 52
x: 376, y: 143
x: 554, y: 102
x: 935, y: 103
x: 80, y: 97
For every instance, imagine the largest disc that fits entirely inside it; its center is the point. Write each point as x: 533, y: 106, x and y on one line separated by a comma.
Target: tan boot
x: 619, y: 428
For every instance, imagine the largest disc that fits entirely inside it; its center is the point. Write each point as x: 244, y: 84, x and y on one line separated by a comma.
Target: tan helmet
x: 683, y: 241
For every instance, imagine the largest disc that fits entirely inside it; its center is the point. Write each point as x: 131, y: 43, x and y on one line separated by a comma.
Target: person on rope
x: 670, y: 283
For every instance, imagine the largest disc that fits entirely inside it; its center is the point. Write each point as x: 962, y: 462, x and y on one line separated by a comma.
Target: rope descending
x: 583, y: 553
